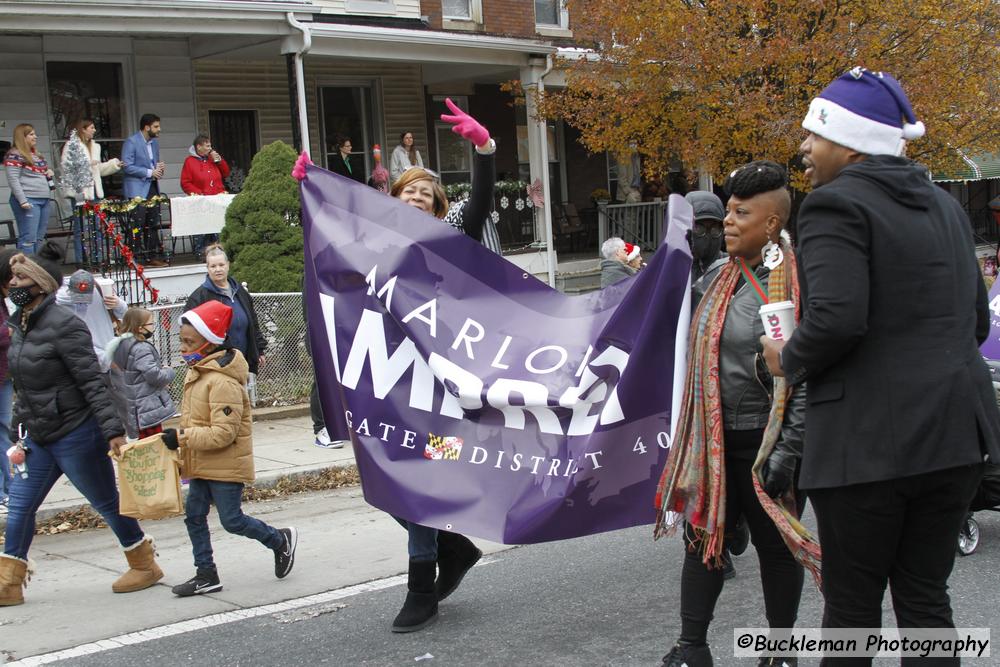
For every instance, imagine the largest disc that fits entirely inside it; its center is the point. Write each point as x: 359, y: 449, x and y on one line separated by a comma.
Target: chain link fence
x: 287, y: 375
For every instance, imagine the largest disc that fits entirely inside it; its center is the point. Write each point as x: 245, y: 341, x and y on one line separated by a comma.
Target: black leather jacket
x: 746, y: 384
x: 58, y: 381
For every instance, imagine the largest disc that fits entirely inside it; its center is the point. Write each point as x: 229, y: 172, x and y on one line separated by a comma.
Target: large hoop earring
x: 772, y: 255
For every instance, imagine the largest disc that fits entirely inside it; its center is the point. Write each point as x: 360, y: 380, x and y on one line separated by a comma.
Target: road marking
x: 212, y: 620
x: 182, y: 627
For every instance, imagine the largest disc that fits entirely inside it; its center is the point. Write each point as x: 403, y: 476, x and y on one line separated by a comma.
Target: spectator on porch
x: 86, y: 130
x: 619, y: 261
x: 244, y: 332
x: 29, y: 176
x: 341, y: 162
x: 203, y: 173
x: 404, y: 156
x: 143, y: 172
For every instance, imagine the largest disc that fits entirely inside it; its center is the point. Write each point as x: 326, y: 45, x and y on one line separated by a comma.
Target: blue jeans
x: 82, y: 455
x: 227, y: 497
x: 422, y: 543
x: 31, y: 223
x: 6, y: 396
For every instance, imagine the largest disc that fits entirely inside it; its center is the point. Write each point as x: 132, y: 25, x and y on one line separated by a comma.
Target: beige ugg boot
x: 14, y: 574
x: 143, y: 570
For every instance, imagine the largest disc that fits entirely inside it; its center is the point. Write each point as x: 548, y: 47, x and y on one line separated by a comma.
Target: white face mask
x: 80, y: 309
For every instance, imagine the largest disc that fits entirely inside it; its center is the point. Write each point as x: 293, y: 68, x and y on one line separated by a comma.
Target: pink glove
x: 299, y: 170
x: 465, y: 125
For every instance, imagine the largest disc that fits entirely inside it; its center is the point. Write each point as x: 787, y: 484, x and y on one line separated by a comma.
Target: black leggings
x: 781, y: 576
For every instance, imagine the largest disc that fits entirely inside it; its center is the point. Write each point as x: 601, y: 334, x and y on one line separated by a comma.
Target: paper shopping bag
x: 149, y: 482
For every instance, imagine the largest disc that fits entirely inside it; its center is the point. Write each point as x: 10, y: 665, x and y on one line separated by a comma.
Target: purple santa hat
x: 864, y: 110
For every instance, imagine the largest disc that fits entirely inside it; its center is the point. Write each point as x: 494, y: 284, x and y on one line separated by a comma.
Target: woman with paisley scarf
x: 739, y: 437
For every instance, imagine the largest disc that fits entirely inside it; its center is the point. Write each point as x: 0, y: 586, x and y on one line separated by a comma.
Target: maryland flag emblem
x: 442, y: 447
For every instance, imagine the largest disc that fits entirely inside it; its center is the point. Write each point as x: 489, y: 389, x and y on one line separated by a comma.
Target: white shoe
x: 322, y: 438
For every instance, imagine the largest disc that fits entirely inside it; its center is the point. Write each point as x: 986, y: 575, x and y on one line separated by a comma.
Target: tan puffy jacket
x: 216, y: 428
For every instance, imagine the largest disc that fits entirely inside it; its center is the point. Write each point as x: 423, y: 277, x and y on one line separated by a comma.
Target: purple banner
x: 480, y: 400
x: 991, y: 348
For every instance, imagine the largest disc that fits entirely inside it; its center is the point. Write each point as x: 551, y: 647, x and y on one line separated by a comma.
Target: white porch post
x: 538, y: 158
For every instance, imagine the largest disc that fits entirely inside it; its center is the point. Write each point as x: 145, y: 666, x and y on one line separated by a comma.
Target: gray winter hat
x: 706, y: 205
x: 81, y: 286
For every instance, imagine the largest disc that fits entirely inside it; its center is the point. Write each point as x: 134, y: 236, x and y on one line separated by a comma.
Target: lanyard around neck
x: 752, y: 280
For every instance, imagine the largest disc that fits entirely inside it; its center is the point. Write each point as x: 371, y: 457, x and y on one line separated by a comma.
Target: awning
x: 976, y: 168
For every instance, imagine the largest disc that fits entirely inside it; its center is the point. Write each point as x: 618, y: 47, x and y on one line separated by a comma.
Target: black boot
x: 688, y: 655
x: 421, y: 606
x: 456, y: 556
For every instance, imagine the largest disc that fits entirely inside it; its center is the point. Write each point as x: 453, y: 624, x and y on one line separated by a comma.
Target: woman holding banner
x: 729, y: 457
x: 432, y: 552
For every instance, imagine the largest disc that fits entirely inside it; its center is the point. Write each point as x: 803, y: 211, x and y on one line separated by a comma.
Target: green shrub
x: 263, y: 232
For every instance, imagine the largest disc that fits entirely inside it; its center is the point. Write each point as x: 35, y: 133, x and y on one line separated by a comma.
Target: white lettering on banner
x: 417, y: 313
x: 995, y: 305
x: 462, y: 389
x: 503, y: 350
x: 529, y: 363
x: 476, y: 451
x: 408, y: 437
x: 326, y: 303
x: 535, y: 397
x: 463, y: 335
x: 594, y: 401
x: 586, y: 360
x: 385, y: 430
x: 369, y: 343
x: 386, y: 292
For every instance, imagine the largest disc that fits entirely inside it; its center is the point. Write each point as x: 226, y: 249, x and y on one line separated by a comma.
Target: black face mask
x: 705, y: 248
x: 21, y: 296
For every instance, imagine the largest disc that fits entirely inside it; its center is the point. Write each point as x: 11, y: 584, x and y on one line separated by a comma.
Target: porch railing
x: 639, y: 224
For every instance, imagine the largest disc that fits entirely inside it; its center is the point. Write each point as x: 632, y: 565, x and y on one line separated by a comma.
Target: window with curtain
x: 547, y: 12
x: 456, y: 9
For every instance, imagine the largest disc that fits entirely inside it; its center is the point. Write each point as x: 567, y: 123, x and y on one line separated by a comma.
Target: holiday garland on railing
x: 100, y: 210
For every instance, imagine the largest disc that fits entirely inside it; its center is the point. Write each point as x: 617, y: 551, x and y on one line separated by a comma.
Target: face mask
x: 194, y: 357
x: 21, y: 296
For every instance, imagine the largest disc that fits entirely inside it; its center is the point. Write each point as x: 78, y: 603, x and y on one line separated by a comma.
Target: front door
x: 349, y: 110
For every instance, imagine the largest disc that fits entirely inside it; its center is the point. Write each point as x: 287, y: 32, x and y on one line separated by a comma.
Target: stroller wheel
x: 968, y: 537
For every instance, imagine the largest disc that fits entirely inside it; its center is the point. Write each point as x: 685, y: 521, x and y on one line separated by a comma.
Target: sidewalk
x: 282, y: 447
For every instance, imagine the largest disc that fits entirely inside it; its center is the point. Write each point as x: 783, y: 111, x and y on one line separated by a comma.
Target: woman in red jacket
x: 202, y: 174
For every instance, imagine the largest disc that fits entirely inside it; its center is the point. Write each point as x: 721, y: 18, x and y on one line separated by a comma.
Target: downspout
x: 550, y: 251
x: 300, y: 79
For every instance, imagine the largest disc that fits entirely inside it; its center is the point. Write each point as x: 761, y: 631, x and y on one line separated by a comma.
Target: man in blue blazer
x: 143, y: 170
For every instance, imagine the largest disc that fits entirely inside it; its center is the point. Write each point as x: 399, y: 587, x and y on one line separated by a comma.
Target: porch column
x: 538, y: 158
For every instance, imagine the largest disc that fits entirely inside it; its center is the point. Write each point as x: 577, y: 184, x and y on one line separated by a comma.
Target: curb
x: 264, y: 481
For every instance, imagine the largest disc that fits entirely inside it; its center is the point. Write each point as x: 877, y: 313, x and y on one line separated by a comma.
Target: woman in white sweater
x: 85, y: 130
x: 404, y: 156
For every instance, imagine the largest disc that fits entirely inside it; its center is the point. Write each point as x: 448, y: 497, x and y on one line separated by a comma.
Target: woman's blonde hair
x: 21, y: 133
x: 414, y: 174
x: 133, y: 319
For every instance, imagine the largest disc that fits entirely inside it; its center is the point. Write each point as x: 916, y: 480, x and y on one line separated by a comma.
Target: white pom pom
x: 913, y: 130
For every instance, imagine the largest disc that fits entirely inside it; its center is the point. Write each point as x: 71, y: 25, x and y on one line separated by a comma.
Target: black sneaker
x: 206, y: 580
x: 284, y: 556
x: 687, y: 655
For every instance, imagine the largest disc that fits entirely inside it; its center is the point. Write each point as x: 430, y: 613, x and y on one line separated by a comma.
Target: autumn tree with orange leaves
x: 719, y: 83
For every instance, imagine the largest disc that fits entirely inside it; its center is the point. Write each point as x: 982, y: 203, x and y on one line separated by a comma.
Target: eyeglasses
x: 700, y: 230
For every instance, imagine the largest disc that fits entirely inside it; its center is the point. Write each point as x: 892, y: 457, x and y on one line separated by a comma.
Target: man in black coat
x: 901, y: 411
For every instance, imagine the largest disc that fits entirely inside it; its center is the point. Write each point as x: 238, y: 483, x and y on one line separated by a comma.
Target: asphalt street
x: 609, y: 599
